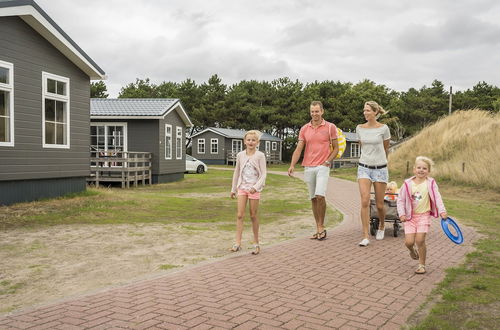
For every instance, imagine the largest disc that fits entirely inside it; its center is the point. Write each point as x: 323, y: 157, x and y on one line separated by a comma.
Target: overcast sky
x: 400, y: 44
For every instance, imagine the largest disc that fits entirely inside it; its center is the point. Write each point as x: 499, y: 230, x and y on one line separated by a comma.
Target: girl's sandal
x: 420, y: 269
x: 256, y: 249
x: 414, y: 254
x: 235, y: 248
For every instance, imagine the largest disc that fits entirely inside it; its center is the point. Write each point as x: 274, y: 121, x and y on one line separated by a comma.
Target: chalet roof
x: 34, y: 16
x: 352, y: 137
x: 136, y: 109
x: 236, y: 133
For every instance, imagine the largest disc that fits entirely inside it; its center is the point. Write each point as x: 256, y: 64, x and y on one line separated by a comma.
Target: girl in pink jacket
x: 419, y: 200
x: 248, y: 180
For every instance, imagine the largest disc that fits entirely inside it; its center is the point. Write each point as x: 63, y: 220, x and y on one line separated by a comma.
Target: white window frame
x: 240, y: 142
x: 9, y: 88
x: 201, y: 142
x: 170, y: 143
x: 214, y: 143
x: 268, y: 147
x: 178, y: 142
x: 355, y: 150
x: 274, y: 146
x: 106, y: 124
x: 60, y: 98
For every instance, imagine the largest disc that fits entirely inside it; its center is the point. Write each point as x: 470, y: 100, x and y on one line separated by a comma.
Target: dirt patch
x: 38, y: 266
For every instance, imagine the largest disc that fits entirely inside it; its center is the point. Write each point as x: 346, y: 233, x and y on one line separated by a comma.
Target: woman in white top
x: 374, y: 139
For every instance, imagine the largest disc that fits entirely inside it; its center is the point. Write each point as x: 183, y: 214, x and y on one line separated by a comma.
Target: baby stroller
x: 391, y: 214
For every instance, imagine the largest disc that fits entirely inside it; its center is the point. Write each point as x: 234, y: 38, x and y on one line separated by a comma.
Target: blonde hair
x: 426, y: 160
x: 393, y: 187
x: 377, y: 108
x: 255, y: 132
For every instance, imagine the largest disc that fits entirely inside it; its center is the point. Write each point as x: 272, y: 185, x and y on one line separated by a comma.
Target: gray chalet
x: 156, y: 126
x: 220, y: 145
x: 44, y: 106
x: 351, y: 153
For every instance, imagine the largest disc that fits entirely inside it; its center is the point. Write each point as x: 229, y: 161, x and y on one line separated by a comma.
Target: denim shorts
x: 374, y: 175
x: 316, y: 178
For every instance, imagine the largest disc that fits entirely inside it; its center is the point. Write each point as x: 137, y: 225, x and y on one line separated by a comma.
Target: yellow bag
x: 341, y: 141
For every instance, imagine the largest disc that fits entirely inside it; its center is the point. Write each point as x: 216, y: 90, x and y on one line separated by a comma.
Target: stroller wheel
x: 373, y: 226
x: 396, y: 229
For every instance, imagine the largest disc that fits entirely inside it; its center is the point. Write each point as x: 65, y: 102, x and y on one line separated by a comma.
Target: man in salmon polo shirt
x: 316, y: 136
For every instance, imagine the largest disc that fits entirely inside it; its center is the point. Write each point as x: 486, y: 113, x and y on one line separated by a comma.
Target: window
x: 108, y: 140
x: 6, y: 104
x: 355, y: 150
x: 168, y: 141
x: 201, y: 146
x: 178, y: 143
x: 274, y: 146
x: 237, y: 146
x: 268, y: 147
x: 108, y: 137
x: 214, y: 146
x: 55, y: 111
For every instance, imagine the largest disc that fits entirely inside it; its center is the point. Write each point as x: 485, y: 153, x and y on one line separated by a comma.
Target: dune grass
x: 464, y: 146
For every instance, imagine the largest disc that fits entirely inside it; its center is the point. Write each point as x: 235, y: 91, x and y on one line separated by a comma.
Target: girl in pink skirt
x: 419, y: 200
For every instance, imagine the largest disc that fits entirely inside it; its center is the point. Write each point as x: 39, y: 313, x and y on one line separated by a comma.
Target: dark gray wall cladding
x: 31, y: 54
x: 173, y: 165
x: 143, y: 136
x: 28, y: 190
x: 165, y: 178
x: 208, y: 155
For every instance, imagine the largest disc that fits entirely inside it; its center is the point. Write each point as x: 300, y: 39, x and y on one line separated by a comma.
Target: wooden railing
x: 270, y: 158
x: 125, y: 167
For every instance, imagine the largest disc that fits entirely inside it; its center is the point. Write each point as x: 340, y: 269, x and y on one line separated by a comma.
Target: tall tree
x: 142, y: 88
x: 98, y: 89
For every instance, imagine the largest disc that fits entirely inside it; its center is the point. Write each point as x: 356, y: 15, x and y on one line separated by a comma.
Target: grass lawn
x: 196, y: 199
x: 468, y: 297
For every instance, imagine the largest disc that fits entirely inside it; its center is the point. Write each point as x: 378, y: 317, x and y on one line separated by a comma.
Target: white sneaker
x: 380, y: 235
x: 364, y: 242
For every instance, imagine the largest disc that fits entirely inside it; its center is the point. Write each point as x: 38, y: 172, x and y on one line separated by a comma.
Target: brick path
x: 296, y: 284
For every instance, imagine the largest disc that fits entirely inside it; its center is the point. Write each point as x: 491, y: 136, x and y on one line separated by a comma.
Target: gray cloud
x: 456, y: 33
x: 310, y: 31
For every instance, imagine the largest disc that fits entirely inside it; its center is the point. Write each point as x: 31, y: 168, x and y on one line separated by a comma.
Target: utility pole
x: 449, y: 104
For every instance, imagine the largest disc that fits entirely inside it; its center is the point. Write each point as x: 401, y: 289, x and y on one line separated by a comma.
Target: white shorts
x: 316, y: 178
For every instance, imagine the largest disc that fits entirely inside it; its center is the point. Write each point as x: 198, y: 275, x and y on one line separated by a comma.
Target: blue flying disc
x: 445, y: 223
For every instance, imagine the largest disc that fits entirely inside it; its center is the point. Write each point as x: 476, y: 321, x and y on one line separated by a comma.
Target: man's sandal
x: 256, y: 249
x: 235, y: 248
x: 420, y: 269
x: 322, y: 235
x: 314, y: 236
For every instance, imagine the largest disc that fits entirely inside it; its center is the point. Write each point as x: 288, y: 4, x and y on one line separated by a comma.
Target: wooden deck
x: 125, y: 167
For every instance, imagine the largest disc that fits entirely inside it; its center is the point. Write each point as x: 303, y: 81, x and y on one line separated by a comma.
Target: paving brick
x: 52, y: 325
x: 248, y: 325
x: 96, y: 322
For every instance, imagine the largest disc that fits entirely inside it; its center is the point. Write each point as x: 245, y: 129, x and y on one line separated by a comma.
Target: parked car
x: 194, y: 165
